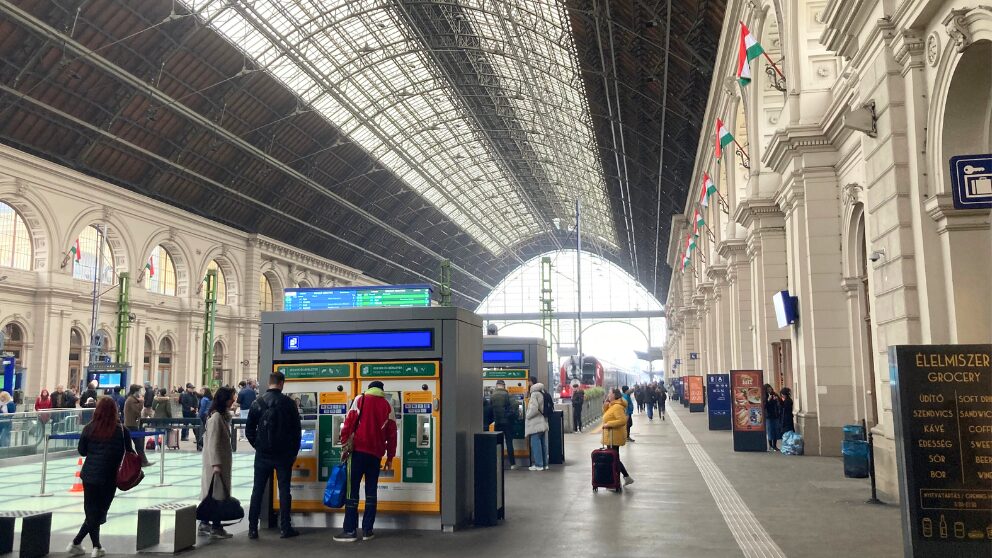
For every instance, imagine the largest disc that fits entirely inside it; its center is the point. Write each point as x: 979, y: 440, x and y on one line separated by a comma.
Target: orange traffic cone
x: 78, y: 485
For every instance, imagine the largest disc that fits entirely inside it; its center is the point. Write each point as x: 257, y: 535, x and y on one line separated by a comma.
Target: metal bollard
x: 161, y: 465
x: 44, y: 467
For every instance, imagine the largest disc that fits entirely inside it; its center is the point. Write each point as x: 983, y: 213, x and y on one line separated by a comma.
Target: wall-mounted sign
x: 693, y: 356
x: 971, y: 181
x: 747, y: 410
x: 942, y: 406
x: 718, y: 401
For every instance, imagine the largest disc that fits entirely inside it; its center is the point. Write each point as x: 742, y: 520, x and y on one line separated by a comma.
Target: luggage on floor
x: 172, y: 440
x: 606, y: 469
x: 150, y: 443
x: 792, y: 443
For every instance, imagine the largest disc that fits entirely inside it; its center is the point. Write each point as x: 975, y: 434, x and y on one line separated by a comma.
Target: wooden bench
x: 150, y: 528
x: 36, y: 532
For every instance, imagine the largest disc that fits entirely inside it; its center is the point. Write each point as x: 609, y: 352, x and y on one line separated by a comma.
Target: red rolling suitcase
x: 606, y: 469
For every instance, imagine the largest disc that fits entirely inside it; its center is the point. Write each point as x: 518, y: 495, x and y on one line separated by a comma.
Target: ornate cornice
x: 940, y: 208
x: 292, y: 256
x: 850, y: 285
x: 731, y: 250
x: 790, y: 141
x: 759, y: 213
x: 842, y: 20
x: 958, y: 24
x: 908, y: 48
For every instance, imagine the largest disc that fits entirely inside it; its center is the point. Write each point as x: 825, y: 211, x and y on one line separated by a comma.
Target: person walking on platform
x: 629, y: 410
x: 190, y: 405
x: 662, y: 398
x: 639, y: 397
x: 504, y: 409
x: 217, y: 456
x: 274, y: 430
x: 103, y: 443
x: 536, y: 428
x: 368, y: 433
x: 246, y: 396
x: 649, y: 400
x: 133, y: 406
x: 773, y: 417
x: 578, y: 399
x: 615, y: 427
x: 202, y: 413
x: 788, y: 421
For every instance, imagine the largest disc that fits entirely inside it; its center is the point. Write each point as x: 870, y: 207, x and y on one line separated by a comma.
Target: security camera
x: 876, y: 255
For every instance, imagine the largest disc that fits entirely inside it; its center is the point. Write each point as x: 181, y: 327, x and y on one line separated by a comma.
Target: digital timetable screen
x: 336, y: 298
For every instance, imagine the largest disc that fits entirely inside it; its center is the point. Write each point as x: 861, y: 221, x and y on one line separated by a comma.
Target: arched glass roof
x: 477, y: 104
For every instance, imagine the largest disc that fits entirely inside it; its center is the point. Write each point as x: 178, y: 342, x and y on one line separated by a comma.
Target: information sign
x: 685, y: 391
x: 356, y: 297
x: 942, y: 405
x: 397, y: 369
x: 696, y: 401
x: 503, y: 374
x: 971, y: 181
x: 718, y: 401
x: 314, y: 371
x: 747, y: 410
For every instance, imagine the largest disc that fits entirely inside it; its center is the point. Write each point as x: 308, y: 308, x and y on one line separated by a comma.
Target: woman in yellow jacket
x: 615, y: 427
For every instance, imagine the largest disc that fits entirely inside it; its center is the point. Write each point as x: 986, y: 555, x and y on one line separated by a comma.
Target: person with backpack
x: 536, y: 427
x: 274, y: 429
x: 368, y: 433
x: 625, y: 391
x: 578, y: 399
x: 504, y: 409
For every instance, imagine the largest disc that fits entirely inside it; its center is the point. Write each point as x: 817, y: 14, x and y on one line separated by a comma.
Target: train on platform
x: 593, y: 372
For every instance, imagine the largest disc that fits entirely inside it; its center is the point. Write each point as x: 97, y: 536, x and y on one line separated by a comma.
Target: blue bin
x: 855, y: 458
x: 854, y: 432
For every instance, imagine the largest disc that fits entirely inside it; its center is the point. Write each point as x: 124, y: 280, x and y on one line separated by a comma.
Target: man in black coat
x: 190, y: 403
x: 274, y: 429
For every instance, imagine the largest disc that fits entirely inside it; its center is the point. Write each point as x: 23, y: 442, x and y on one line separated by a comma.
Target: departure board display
x: 337, y: 298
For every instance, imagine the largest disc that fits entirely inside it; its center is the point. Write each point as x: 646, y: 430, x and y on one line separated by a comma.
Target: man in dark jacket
x: 70, y: 399
x: 146, y: 411
x: 372, y: 429
x: 90, y: 393
x: 578, y: 399
x: 505, y: 415
x: 246, y: 396
x: 190, y: 404
x: 274, y: 429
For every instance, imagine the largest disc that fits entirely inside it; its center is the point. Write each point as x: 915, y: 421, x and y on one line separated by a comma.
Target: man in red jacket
x: 370, y: 421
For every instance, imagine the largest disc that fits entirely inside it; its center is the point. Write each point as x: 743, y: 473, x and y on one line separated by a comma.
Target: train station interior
x: 635, y: 277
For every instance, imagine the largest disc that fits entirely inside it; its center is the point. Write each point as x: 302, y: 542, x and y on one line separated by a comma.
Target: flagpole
x: 774, y: 65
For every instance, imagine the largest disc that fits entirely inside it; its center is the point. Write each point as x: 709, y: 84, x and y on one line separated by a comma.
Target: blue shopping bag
x: 337, y: 483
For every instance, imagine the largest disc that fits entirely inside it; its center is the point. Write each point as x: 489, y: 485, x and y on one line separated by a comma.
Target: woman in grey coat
x: 217, y: 456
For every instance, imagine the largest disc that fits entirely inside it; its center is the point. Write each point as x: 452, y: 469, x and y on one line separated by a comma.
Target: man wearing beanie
x: 369, y: 431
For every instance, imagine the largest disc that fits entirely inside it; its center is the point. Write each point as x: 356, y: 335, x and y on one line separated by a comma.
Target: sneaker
x: 289, y: 533
x: 252, y: 533
x: 368, y: 535
x: 75, y: 549
x: 534, y: 468
x: 98, y: 553
x: 220, y: 533
x: 204, y: 528
x: 662, y: 417
x: 514, y: 467
x: 631, y: 440
x: 345, y: 536
x: 628, y: 480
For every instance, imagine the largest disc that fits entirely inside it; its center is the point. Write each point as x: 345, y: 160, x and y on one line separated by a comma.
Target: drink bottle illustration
x: 927, y: 527
x: 943, y: 527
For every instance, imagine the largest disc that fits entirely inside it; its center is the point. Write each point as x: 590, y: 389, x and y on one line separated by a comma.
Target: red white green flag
x: 709, y: 188
x: 749, y: 49
x: 723, y: 138
x: 699, y: 222
x: 76, y: 253
x: 150, y: 266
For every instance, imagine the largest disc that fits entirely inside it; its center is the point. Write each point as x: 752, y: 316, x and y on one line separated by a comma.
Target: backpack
x: 267, y: 432
x: 549, y: 406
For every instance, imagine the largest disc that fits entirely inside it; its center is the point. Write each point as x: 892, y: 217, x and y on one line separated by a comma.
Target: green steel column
x: 547, y: 311
x: 445, y: 283
x: 123, y: 311
x: 209, y: 318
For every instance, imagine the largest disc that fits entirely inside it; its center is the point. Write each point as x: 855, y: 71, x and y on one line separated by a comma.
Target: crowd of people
x: 650, y: 396
x: 778, y: 415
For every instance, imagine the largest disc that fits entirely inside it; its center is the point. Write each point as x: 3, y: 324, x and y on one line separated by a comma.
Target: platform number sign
x: 971, y: 181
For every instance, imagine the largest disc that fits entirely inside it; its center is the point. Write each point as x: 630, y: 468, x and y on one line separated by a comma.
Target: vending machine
x: 428, y: 360
x: 513, y: 360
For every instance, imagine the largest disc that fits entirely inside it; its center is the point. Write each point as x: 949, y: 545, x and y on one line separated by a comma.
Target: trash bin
x: 853, y: 432
x: 489, y: 479
x: 855, y: 458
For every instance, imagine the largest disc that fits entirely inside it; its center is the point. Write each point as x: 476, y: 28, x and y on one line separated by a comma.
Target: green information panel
x: 418, y: 456
x: 314, y: 371
x: 503, y: 374
x: 397, y: 369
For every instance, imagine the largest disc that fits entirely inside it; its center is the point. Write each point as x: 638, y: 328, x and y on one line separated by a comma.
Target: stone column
x: 741, y: 331
x: 766, y: 254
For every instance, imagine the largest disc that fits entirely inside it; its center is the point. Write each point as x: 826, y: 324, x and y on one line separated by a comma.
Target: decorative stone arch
x: 178, y: 251
x: 232, y: 276
x: 854, y: 229
x: 37, y: 215
x: 21, y: 322
x: 969, y: 39
x: 118, y: 236
x: 277, y: 282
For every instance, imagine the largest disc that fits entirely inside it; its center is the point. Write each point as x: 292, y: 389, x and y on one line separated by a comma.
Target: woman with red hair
x: 103, y: 443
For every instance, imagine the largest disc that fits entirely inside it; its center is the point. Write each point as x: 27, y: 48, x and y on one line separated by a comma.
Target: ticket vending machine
x: 513, y: 359
x: 427, y: 359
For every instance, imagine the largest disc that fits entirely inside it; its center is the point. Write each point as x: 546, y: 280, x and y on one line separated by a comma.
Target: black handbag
x: 212, y: 509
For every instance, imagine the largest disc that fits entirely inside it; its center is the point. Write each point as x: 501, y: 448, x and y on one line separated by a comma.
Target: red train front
x: 591, y: 374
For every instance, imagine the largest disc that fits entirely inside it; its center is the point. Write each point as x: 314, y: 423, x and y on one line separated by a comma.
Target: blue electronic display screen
x: 109, y: 380
x: 411, y: 339
x: 336, y: 298
x: 306, y: 440
x: 503, y: 356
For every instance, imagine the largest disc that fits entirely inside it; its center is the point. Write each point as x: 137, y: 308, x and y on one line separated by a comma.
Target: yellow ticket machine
x: 428, y: 360
x: 513, y: 360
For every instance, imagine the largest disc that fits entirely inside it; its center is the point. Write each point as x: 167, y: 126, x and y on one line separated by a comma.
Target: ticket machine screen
x: 307, y: 440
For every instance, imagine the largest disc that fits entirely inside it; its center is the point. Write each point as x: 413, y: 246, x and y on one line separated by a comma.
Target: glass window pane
x: 88, y: 243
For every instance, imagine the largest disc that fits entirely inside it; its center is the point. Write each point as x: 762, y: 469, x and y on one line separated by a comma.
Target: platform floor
x: 693, y: 496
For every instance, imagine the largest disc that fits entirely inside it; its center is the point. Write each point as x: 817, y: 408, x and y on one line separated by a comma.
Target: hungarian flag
x: 709, y: 188
x: 723, y: 138
x: 750, y: 49
x: 76, y: 253
x: 150, y: 266
x: 699, y: 221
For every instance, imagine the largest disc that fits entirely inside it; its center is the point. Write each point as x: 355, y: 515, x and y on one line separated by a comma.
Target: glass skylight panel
x: 357, y: 65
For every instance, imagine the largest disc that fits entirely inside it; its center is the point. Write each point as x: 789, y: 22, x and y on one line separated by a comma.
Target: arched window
x: 164, y: 376
x: 160, y: 272
x: 14, y: 341
x: 221, y: 285
x: 84, y: 262
x: 218, y: 364
x: 15, y: 241
x: 75, y: 358
x: 264, y: 294
x: 146, y: 359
